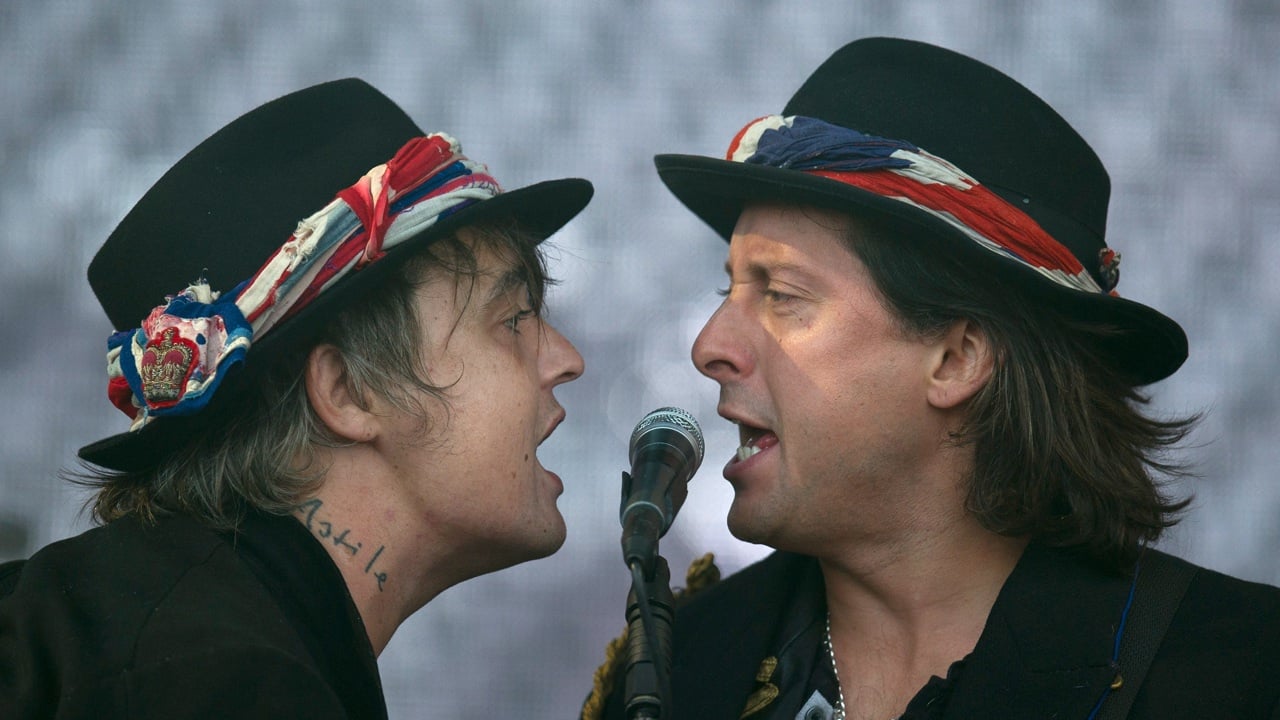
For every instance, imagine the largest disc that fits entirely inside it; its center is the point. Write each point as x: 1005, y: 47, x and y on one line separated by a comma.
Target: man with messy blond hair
x: 336, y: 420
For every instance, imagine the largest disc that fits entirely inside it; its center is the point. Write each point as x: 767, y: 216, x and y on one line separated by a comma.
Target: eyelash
x: 513, y: 322
x: 773, y: 295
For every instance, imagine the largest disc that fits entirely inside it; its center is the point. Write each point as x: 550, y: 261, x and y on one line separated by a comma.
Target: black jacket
x: 178, y: 621
x: 1046, y: 650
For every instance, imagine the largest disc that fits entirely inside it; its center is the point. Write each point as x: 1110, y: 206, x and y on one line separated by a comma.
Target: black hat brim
x: 1147, y: 345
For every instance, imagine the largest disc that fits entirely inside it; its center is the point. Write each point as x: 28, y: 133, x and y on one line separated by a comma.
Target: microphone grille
x: 676, y: 419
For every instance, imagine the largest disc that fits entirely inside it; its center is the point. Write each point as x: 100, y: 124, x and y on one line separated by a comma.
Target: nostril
x: 717, y: 368
x: 718, y: 354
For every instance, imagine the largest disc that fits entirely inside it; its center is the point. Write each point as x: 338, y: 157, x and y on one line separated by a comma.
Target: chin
x: 555, y: 540
x: 549, y: 540
x: 747, y: 527
x: 517, y: 552
x: 764, y: 523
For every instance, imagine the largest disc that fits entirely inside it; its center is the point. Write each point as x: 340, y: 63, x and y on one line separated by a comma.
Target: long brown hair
x: 1065, y: 451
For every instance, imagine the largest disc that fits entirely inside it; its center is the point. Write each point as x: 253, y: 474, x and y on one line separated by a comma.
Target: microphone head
x: 669, y: 420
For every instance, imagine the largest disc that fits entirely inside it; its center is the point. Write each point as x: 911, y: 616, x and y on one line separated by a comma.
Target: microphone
x: 666, y: 450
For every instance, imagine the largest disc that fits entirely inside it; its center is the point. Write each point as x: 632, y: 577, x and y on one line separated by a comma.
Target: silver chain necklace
x: 838, y: 712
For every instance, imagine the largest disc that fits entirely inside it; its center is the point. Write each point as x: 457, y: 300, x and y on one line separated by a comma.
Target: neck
x: 912, y: 584
x: 919, y: 565
x: 392, y: 565
x: 904, y: 611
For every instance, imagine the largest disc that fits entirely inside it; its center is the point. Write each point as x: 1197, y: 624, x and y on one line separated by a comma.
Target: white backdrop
x: 1179, y: 98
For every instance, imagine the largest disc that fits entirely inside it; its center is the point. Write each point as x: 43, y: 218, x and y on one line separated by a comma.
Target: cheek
x: 510, y: 414
x: 834, y: 394
x: 808, y: 374
x: 496, y: 402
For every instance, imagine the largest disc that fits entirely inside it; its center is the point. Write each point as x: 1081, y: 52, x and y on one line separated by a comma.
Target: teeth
x: 747, y: 451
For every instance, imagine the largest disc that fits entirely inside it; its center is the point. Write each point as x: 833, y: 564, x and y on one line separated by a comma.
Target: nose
x: 719, y: 352
x: 561, y: 361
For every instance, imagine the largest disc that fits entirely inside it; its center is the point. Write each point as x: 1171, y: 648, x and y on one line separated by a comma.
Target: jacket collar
x: 1046, y: 648
x: 312, y: 594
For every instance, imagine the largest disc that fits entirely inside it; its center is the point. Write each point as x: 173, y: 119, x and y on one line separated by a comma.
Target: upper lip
x: 740, y: 419
x: 555, y: 423
x: 735, y: 417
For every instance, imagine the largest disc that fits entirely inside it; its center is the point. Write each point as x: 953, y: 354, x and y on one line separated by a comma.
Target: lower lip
x: 736, y: 469
x: 559, y: 484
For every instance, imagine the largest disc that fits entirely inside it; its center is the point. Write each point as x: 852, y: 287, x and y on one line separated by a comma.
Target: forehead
x: 474, y: 268
x: 781, y: 236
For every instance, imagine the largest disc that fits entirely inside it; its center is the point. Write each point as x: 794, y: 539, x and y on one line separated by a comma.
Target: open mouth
x: 555, y: 423
x: 752, y: 440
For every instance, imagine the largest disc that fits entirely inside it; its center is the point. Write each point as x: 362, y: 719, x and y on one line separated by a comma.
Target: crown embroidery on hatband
x: 167, y: 363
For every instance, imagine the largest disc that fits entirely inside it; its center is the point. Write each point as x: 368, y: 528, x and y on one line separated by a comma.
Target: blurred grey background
x: 97, y: 99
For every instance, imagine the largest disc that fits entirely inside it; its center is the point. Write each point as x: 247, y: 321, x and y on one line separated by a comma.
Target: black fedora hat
x: 973, y: 120
x: 229, y: 205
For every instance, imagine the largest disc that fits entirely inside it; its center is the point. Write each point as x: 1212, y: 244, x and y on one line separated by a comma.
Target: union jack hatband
x: 174, y: 363
x: 901, y: 171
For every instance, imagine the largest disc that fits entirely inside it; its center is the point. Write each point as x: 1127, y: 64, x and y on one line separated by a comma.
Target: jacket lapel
x: 734, y: 626
x: 1047, y: 648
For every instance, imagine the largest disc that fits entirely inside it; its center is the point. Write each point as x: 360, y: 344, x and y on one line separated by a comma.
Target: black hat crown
x: 228, y: 205
x: 230, y: 202
x: 976, y: 117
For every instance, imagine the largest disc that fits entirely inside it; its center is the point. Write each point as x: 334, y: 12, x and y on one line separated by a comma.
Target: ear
x: 331, y: 397
x: 962, y: 366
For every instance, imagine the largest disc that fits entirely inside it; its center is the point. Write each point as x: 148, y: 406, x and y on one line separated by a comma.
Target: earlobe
x: 332, y: 399
x: 963, y: 365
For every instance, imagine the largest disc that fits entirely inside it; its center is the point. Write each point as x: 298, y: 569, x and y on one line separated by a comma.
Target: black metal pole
x: 650, y: 612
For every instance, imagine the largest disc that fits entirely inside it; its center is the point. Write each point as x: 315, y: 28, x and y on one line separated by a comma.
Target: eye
x: 513, y: 322
x: 722, y: 292
x: 777, y: 297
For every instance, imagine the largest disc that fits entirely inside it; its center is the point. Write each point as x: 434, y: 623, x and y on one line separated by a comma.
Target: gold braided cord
x: 702, y: 574
x: 603, y: 678
x: 766, y: 693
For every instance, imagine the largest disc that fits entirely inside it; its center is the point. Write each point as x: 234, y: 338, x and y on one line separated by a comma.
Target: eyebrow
x: 508, y: 281
x: 759, y: 269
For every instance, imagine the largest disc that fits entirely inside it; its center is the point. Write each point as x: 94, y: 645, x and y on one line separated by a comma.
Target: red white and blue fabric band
x: 173, y: 364
x: 899, y: 170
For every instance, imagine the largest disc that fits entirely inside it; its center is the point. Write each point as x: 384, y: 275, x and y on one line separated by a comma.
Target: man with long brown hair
x: 943, y: 431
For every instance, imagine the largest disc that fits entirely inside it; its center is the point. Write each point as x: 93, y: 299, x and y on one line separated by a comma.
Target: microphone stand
x: 666, y: 448
x: 650, y: 611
